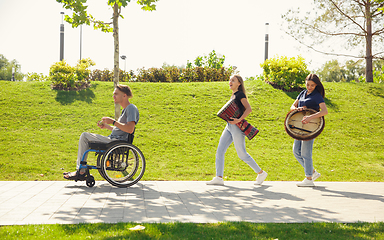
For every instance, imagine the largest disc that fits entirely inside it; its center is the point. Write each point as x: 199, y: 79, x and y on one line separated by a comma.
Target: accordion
x: 231, y: 110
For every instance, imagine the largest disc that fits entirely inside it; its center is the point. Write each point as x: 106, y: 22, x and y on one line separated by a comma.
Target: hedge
x: 169, y: 74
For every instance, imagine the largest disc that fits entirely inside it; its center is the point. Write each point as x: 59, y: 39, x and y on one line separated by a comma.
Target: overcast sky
x: 179, y: 30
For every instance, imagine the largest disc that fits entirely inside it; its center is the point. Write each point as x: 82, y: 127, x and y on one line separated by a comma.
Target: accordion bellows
x: 231, y: 110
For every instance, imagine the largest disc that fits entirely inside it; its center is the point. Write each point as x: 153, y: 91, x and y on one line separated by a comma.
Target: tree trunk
x: 368, y: 53
x: 116, y: 54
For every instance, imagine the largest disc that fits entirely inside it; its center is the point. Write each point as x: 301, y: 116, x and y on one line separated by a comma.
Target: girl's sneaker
x: 315, y: 175
x: 261, y: 177
x: 306, y: 183
x: 216, y: 181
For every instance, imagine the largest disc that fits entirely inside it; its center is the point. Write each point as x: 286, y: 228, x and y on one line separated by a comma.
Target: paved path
x: 67, y: 202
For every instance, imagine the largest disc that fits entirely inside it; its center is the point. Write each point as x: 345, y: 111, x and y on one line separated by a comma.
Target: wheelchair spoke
x: 123, y: 165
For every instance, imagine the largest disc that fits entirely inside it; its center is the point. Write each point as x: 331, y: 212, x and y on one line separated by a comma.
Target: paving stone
x: 66, y: 202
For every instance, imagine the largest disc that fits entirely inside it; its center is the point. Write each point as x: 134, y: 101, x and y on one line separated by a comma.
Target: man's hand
x: 107, y: 120
x: 101, y: 124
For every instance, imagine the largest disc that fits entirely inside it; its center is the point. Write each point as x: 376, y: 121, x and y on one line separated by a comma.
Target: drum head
x: 300, y: 131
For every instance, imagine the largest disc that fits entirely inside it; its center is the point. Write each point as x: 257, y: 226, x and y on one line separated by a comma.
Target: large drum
x: 300, y: 131
x: 231, y: 110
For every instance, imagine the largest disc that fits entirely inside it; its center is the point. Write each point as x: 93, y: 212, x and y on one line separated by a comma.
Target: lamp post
x: 123, y: 57
x: 81, y: 38
x: 266, y: 41
x: 62, y: 37
x: 13, y: 73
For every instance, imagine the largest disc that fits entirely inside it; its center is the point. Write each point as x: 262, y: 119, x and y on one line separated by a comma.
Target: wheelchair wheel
x: 99, y: 158
x: 123, y: 165
x: 90, y: 181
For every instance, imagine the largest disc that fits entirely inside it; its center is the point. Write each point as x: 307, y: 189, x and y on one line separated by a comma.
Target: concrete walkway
x: 67, y: 202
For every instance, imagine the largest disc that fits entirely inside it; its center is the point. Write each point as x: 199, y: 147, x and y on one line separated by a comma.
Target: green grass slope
x: 179, y: 131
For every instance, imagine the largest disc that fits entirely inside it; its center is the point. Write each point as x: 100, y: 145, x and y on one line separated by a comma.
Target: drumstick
x: 305, y: 130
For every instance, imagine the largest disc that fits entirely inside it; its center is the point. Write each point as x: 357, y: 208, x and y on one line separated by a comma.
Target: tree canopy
x: 331, y: 25
x: 81, y: 16
x: 7, y: 67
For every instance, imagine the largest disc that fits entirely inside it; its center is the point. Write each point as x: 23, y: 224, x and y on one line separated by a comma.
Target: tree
x: 213, y: 60
x: 351, y: 23
x: 7, y: 67
x: 332, y: 71
x: 80, y: 16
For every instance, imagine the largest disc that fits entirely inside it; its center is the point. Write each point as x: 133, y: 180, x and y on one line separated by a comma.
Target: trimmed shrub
x: 107, y: 76
x: 283, y: 73
x: 173, y: 74
x: 205, y: 74
x: 167, y: 74
x: 38, y: 77
x: 65, y: 77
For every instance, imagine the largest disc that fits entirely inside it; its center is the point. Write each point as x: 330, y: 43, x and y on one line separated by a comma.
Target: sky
x: 178, y: 31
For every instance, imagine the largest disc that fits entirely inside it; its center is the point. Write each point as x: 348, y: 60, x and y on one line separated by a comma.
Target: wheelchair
x: 119, y: 162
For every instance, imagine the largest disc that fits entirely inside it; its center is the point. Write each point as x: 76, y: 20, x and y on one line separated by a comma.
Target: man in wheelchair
x: 122, y: 129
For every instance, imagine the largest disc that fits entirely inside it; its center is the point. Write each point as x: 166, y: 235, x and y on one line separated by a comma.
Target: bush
x: 65, y: 77
x: 38, y: 77
x: 207, y: 69
x: 283, y: 73
x: 174, y: 74
x: 166, y: 74
x: 378, y: 75
x: 107, y: 76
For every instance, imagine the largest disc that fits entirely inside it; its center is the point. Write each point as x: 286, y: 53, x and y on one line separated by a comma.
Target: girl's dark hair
x: 319, y: 85
x: 125, y: 89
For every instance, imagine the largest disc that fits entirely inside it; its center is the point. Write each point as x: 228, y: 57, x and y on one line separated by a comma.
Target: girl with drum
x: 312, y: 97
x: 232, y: 133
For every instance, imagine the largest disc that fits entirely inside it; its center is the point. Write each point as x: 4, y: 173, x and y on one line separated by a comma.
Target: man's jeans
x: 85, y: 138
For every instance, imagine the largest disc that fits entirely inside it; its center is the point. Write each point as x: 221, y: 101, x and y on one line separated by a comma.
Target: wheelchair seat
x: 105, y: 146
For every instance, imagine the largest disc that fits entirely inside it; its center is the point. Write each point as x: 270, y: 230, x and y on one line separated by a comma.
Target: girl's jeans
x: 232, y: 133
x: 302, y: 150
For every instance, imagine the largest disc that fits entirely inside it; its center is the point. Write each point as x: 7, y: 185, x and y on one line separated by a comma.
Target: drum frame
x: 291, y: 129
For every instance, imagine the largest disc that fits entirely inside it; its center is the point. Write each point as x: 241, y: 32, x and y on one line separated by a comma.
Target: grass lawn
x: 179, y: 131
x: 226, y: 230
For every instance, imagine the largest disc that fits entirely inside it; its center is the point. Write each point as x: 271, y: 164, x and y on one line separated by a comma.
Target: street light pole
x: 81, y: 38
x: 13, y: 73
x: 124, y: 57
x: 62, y: 37
x: 266, y: 41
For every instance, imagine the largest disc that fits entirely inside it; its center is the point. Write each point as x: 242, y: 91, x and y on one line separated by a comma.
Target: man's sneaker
x: 306, y: 183
x: 216, y: 181
x: 315, y: 175
x: 261, y: 177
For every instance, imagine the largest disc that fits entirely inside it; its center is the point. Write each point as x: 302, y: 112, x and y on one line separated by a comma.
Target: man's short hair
x: 125, y: 89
